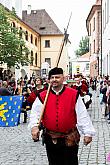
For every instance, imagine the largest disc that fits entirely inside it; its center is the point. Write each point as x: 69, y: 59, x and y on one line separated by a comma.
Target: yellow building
x: 43, y: 39
x: 32, y: 40
x: 50, y: 36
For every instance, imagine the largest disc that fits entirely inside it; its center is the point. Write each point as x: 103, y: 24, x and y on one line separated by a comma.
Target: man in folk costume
x: 65, y: 114
x: 81, y: 87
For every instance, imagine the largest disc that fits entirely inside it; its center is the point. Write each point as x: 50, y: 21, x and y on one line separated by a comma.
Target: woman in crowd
x: 39, y: 87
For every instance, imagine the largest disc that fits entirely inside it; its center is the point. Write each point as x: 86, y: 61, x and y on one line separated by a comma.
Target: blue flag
x: 10, y: 108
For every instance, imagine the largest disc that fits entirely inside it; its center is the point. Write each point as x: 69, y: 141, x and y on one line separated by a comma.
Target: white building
x: 81, y: 65
x: 16, y: 4
x: 106, y: 37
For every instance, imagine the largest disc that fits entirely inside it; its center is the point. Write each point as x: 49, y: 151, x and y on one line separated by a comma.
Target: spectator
x: 4, y: 89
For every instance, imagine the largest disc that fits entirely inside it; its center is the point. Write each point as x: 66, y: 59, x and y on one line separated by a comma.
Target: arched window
x: 94, y: 46
x: 31, y: 38
x: 26, y: 36
x: 31, y: 57
x: 20, y: 32
x: 36, y: 59
x: 13, y: 24
x: 35, y: 41
x: 27, y: 55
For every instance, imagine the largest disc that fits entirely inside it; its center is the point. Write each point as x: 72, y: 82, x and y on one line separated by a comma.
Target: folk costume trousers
x: 60, y: 154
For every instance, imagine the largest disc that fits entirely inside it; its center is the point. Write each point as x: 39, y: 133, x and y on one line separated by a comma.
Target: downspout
x: 40, y: 55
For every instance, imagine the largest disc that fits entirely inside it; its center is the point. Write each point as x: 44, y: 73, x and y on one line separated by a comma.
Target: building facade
x: 93, y: 23
x: 106, y: 37
x: 50, y: 36
x: 81, y: 65
x: 32, y: 42
x: 43, y: 41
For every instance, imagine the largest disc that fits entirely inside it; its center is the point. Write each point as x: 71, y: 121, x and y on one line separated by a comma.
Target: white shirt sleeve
x: 84, y: 122
x: 35, y: 113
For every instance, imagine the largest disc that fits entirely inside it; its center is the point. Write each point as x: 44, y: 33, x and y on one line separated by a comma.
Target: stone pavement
x: 17, y: 147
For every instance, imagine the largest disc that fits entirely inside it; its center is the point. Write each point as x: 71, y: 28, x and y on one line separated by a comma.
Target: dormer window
x: 42, y: 28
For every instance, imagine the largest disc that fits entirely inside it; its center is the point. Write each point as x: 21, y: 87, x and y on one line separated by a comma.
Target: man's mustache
x: 54, y: 81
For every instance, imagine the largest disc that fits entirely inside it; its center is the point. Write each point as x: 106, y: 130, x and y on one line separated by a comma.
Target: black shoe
x: 36, y: 140
x: 24, y: 121
x: 106, y: 115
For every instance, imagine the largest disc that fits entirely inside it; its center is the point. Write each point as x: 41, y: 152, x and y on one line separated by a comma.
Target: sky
x: 60, y: 11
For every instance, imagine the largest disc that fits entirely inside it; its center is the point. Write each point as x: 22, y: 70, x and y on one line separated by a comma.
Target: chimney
x: 29, y: 9
x: 98, y: 2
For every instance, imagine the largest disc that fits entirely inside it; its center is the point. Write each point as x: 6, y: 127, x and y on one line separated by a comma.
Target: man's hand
x: 35, y: 133
x: 87, y: 140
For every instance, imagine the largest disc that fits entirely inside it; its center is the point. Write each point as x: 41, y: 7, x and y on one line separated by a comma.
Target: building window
x: 20, y: 32
x: 36, y: 59
x: 105, y: 14
x: 26, y: 36
x: 31, y: 38
x: 95, y: 65
x: 87, y: 66
x: 35, y: 41
x: 94, y: 24
x: 27, y: 55
x: 90, y: 49
x: 94, y: 46
x: 107, y: 11
x: 21, y: 48
x: 90, y: 30
x: 48, y: 60
x: 31, y: 57
x: 77, y: 70
x: 13, y: 24
x: 47, y: 43
x: 103, y: 22
x: 98, y: 23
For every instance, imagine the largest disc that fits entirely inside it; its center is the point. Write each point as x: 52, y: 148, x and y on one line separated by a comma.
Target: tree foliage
x: 12, y: 47
x: 83, y: 47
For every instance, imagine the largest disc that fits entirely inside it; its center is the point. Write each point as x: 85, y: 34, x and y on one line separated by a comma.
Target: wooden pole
x: 57, y: 62
x: 44, y: 104
x: 63, y: 41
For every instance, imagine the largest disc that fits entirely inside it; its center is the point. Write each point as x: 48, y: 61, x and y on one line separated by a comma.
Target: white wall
x: 82, y: 67
x: 106, y: 38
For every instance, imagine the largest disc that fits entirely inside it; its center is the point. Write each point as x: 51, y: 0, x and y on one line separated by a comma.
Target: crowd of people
x: 103, y: 88
x: 65, y: 117
x: 30, y: 89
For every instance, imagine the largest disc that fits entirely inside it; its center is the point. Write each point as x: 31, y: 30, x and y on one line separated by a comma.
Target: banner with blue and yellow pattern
x: 10, y: 108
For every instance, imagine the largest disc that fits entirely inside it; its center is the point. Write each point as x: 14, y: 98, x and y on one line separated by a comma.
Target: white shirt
x: 84, y: 123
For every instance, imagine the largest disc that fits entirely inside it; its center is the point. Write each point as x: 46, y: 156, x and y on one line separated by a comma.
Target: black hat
x: 55, y: 71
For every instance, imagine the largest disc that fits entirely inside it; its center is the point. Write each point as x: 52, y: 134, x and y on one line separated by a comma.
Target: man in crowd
x: 64, y: 117
x: 4, y: 89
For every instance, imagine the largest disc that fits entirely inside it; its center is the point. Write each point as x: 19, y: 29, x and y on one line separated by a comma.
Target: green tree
x: 12, y: 47
x: 83, y: 47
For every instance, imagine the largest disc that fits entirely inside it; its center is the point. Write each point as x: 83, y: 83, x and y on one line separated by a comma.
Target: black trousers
x: 60, y: 154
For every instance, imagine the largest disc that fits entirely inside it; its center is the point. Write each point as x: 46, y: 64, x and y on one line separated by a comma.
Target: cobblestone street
x: 17, y: 147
